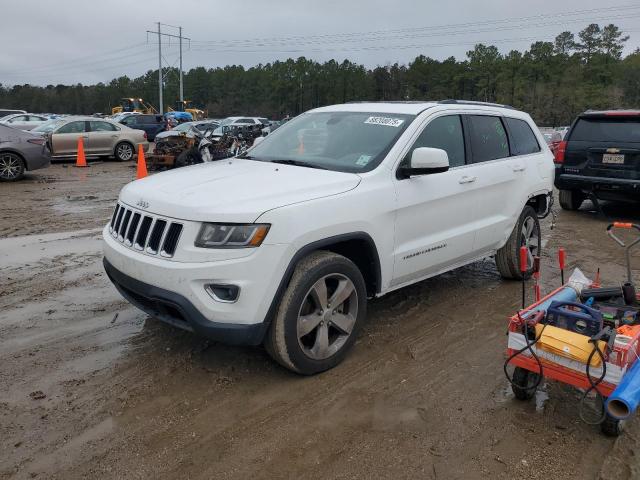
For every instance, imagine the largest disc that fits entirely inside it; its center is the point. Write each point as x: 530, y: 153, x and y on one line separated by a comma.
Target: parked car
x: 600, y: 156
x: 152, y: 124
x: 101, y: 137
x: 24, y: 121
x: 4, y: 112
x: 21, y: 151
x: 284, y: 245
x: 185, y: 127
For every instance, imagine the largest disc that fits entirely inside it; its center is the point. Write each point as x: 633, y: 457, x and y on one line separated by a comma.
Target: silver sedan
x: 24, y: 121
x: 100, y: 137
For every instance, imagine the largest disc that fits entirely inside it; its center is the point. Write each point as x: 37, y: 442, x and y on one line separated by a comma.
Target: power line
x: 382, y: 34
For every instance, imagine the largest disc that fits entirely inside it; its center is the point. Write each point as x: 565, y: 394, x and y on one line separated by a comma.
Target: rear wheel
x: 525, y: 233
x: 11, y: 167
x: 319, y: 314
x: 124, y: 152
x: 571, y: 199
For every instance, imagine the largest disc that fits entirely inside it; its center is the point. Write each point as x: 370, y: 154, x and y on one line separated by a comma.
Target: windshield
x: 48, y: 126
x: 183, y: 127
x: 341, y: 141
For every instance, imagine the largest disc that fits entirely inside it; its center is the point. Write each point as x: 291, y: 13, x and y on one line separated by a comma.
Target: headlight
x: 218, y: 235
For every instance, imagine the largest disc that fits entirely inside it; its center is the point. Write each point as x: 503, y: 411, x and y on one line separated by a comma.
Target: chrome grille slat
x: 146, y: 233
x: 123, y: 225
x: 132, y: 230
x: 171, y: 240
x: 156, y: 236
x: 143, y: 233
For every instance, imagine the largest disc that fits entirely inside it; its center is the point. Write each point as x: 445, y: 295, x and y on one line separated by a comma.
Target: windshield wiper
x: 245, y: 156
x: 298, y: 163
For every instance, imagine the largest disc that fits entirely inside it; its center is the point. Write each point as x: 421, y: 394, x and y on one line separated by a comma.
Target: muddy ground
x: 90, y: 387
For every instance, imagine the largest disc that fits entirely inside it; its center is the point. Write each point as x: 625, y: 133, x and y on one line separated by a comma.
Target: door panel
x: 102, y: 138
x: 435, y: 227
x: 434, y: 219
x: 497, y: 197
x: 65, y: 139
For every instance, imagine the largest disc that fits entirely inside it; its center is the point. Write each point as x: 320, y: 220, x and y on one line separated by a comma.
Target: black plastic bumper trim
x: 176, y: 310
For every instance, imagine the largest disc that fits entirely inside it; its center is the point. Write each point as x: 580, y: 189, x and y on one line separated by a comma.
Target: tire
x: 571, y: 199
x: 300, y: 337
x: 187, y: 158
x: 524, y: 378
x: 508, y: 257
x: 12, y: 167
x: 612, y: 427
x: 124, y: 152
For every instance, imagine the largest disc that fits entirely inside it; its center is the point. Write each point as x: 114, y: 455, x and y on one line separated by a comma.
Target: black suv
x: 152, y: 124
x: 600, y: 156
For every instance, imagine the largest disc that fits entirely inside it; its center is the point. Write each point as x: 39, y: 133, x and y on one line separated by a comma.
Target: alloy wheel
x: 327, y: 316
x: 125, y: 152
x: 10, y: 166
x: 530, y: 238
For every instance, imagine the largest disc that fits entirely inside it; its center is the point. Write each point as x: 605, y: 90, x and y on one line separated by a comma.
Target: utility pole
x: 161, y: 34
x: 181, y: 89
x: 160, y: 70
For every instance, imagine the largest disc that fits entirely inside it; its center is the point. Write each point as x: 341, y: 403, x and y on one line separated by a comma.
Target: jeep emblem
x: 142, y: 204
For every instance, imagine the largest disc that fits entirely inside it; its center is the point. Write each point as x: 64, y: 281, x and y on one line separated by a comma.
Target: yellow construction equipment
x: 133, y: 105
x: 184, y: 106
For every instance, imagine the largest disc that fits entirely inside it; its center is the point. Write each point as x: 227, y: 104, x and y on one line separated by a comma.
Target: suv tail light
x: 560, y: 149
x: 144, y: 134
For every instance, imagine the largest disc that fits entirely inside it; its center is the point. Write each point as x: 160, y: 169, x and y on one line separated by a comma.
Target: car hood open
x: 232, y: 190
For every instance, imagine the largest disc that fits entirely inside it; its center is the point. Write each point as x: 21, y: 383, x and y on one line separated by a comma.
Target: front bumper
x: 174, y: 291
x: 176, y: 310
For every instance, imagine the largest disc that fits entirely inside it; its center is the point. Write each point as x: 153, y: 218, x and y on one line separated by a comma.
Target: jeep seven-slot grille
x: 145, y: 232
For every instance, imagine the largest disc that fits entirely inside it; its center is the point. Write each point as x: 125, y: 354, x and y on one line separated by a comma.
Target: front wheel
x: 525, y: 233
x: 319, y: 314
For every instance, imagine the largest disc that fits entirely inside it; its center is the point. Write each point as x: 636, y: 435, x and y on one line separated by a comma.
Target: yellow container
x: 568, y: 344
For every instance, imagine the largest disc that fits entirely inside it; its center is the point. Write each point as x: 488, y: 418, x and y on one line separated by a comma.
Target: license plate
x: 614, y: 159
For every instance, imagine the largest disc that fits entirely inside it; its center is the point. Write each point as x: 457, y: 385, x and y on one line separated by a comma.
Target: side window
x: 488, y: 138
x: 21, y: 118
x: 522, y: 139
x: 73, y: 127
x: 444, y: 133
x: 130, y: 120
x: 102, y: 127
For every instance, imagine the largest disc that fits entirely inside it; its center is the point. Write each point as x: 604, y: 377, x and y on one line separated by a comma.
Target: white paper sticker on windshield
x: 386, y: 121
x: 363, y: 160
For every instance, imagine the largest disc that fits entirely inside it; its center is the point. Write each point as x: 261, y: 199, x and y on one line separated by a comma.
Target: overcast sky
x: 90, y: 41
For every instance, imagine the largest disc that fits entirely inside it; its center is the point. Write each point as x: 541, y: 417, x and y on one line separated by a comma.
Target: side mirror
x: 426, y: 161
x: 258, y: 141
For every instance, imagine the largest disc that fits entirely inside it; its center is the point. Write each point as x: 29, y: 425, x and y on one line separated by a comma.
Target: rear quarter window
x: 522, y: 139
x: 606, y: 130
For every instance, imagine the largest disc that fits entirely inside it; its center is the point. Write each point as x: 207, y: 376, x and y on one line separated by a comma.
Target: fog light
x: 222, y: 292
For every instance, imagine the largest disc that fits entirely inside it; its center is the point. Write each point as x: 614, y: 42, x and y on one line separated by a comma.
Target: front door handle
x: 467, y: 179
x: 519, y: 168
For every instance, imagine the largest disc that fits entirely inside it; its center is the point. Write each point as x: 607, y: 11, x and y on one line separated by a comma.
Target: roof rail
x: 472, y: 102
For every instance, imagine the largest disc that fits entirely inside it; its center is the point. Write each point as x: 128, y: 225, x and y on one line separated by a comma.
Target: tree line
x: 553, y: 81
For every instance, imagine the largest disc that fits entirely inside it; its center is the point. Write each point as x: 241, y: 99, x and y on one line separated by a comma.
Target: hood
x: 233, y: 190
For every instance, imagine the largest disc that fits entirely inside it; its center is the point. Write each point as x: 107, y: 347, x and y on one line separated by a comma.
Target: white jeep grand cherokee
x: 284, y: 244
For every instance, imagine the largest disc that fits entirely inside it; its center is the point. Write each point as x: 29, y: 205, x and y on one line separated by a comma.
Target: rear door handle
x: 519, y: 168
x: 467, y: 179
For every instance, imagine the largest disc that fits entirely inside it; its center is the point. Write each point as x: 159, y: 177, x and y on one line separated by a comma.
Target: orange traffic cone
x: 81, y: 161
x: 142, y: 164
